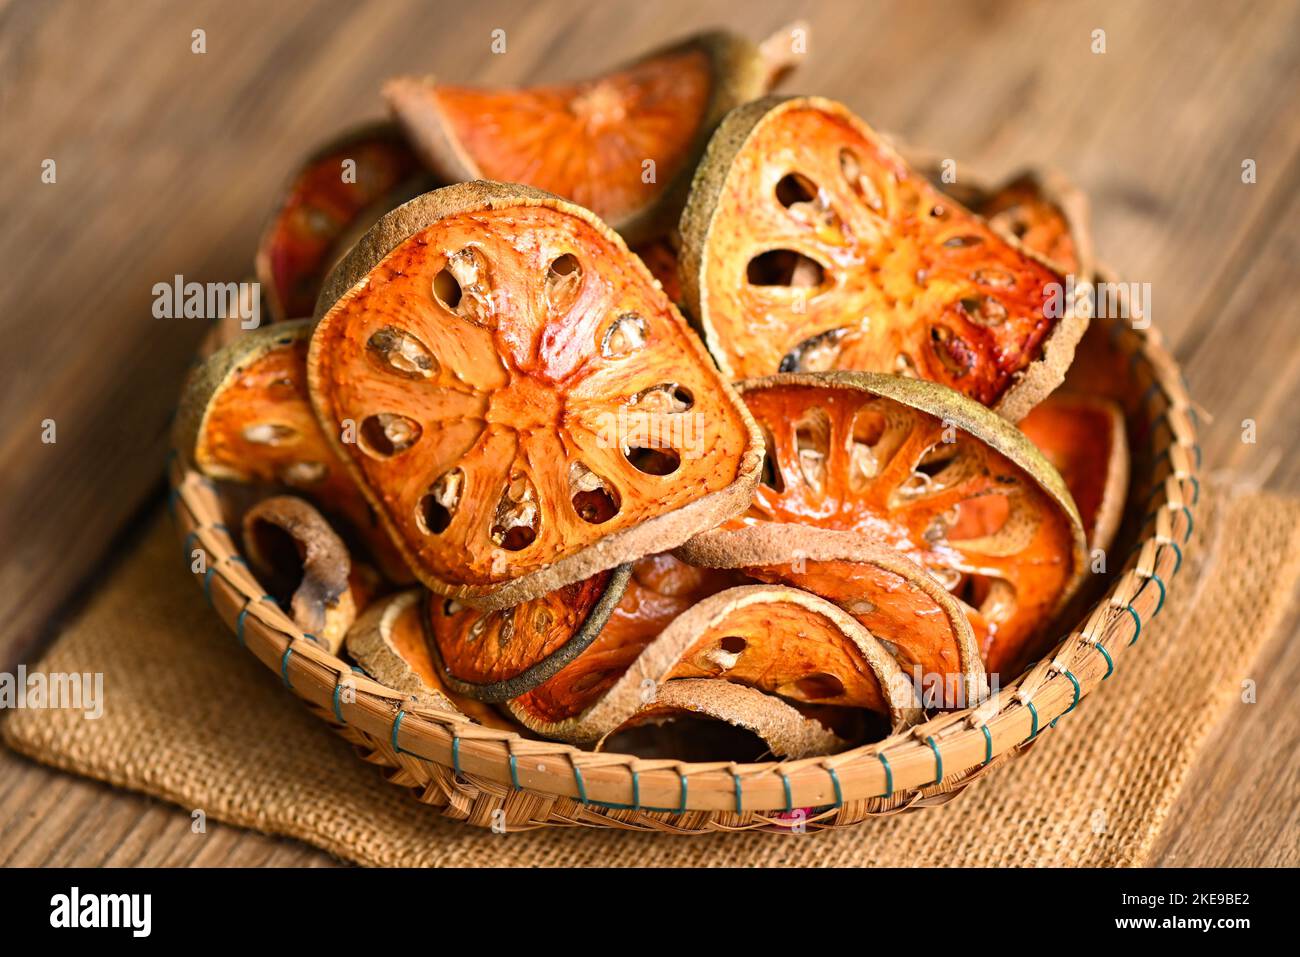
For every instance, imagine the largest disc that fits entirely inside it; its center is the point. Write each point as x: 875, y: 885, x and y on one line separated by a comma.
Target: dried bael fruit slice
x: 1083, y: 437
x: 622, y: 145
x: 245, y: 417
x: 660, y: 258
x: 899, y: 460
x: 496, y: 655
x: 808, y: 244
x: 908, y: 611
x: 336, y: 187
x: 659, y: 589
x: 1048, y: 215
x: 296, y: 555
x: 529, y: 408
x: 389, y: 644
x: 776, y: 639
x: 786, y: 732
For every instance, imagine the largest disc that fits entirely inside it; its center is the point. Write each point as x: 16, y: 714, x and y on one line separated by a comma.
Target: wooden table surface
x: 167, y: 160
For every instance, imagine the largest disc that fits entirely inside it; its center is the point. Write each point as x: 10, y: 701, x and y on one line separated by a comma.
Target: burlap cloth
x: 191, y: 717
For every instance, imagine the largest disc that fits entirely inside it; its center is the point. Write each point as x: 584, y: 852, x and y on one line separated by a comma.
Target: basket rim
x: 927, y: 763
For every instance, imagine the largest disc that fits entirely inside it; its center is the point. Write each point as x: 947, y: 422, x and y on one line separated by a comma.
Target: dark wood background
x: 167, y: 161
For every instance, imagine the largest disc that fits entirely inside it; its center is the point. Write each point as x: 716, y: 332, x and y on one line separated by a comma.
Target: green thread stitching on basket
x: 1137, y: 621
x: 682, y: 809
x: 835, y: 783
x: 988, y: 743
x: 455, y: 754
x: 889, y: 776
x: 338, y: 691
x: 1110, y: 662
x: 938, y: 760
x: 397, y: 723
x: 789, y: 796
x: 1177, y: 551
x: 284, y: 666
x: 1196, y: 488
x: 207, y: 583
x: 1078, y: 693
x: 636, y: 790
x: 514, y: 773
x: 1033, y: 729
x: 740, y: 804
x: 582, y: 786
x: 1190, y: 521
x: 1157, y: 579
x: 239, y: 621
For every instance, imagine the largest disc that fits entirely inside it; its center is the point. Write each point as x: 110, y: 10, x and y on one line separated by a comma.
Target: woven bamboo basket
x: 499, y: 779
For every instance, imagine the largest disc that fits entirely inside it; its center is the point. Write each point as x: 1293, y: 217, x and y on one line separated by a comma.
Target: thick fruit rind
x: 1030, y: 385
x: 657, y: 534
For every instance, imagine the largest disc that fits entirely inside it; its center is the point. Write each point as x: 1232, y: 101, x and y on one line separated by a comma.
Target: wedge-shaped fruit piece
x: 623, y: 145
x: 336, y: 187
x: 245, y: 417
x: 899, y: 460
x: 496, y: 655
x: 908, y: 611
x: 297, y: 556
x: 1083, y: 437
x: 808, y: 244
x: 786, y: 732
x: 779, y: 640
x: 390, y: 645
x: 1048, y: 215
x: 529, y: 409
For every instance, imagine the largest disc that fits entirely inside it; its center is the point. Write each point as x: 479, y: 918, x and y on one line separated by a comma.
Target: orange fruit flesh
x: 486, y: 647
x: 661, y: 259
x: 587, y: 142
x: 660, y: 589
x: 852, y: 461
x: 1040, y: 224
x: 1076, y: 436
x: 319, y: 210
x: 828, y: 252
x: 554, y: 376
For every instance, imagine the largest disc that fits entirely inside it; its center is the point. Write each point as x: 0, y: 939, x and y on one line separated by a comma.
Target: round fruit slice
x: 528, y: 408
x: 333, y: 189
x: 245, y: 417
x: 899, y: 460
x: 660, y: 258
x: 785, y: 731
x: 623, y: 145
x: 294, y: 552
x: 496, y: 655
x: 908, y: 611
x: 779, y: 640
x: 808, y: 244
x: 1083, y: 437
x: 388, y: 642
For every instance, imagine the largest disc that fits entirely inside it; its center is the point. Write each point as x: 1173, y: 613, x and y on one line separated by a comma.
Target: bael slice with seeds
x: 909, y: 612
x: 528, y: 408
x: 350, y: 180
x: 808, y: 244
x: 389, y: 644
x: 623, y: 144
x: 496, y: 655
x: 779, y: 640
x: 245, y: 417
x: 900, y: 460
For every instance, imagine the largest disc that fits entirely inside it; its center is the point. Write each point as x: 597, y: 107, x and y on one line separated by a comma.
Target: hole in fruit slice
x: 795, y: 188
x: 563, y: 280
x: 813, y: 688
x: 816, y: 353
x: 771, y: 475
x: 517, y: 518
x: 594, y: 498
x: 270, y: 433
x: 784, y: 267
x: 625, y: 335
x: 654, y: 461
x: 438, y: 507
x: 461, y: 287
x: 386, y: 434
x: 667, y: 398
x: 397, y: 350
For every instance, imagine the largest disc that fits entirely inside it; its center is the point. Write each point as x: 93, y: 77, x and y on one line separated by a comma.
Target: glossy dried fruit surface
x: 901, y: 461
x: 925, y: 629
x: 554, y: 414
x: 778, y: 640
x: 334, y: 188
x: 810, y: 245
x: 659, y: 589
x: 622, y: 145
x: 245, y: 417
x: 1047, y: 215
x: 495, y: 655
x: 1083, y: 437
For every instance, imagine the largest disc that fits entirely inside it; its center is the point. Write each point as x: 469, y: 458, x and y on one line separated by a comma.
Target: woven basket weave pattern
x: 494, y: 778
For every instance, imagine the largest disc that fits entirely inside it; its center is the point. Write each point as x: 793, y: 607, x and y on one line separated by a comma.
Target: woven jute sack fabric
x: 191, y: 717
